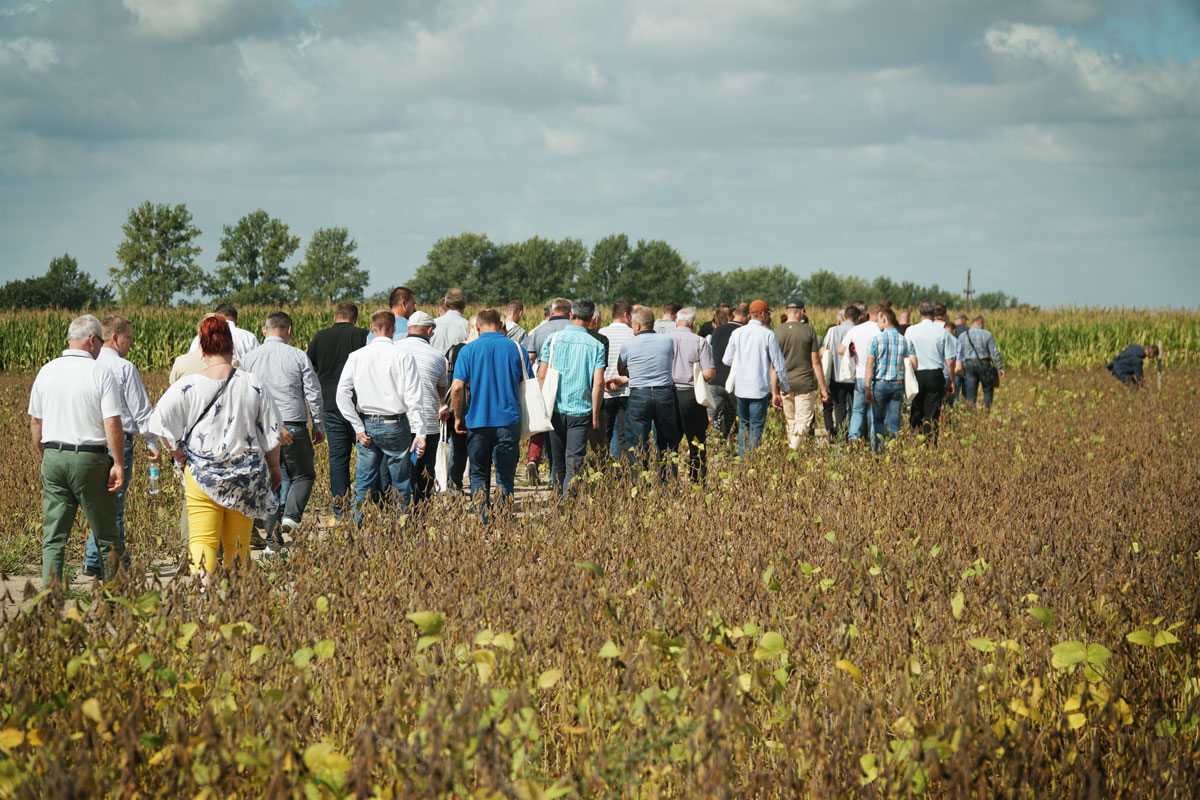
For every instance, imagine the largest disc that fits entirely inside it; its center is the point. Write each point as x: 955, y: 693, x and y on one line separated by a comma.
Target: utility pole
x: 969, y: 291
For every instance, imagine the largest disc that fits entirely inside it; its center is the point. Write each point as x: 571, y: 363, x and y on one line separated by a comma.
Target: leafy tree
x: 823, y: 289
x: 253, y: 252
x: 598, y: 279
x: 330, y: 270
x: 774, y: 284
x: 157, y: 260
x: 993, y: 300
x: 469, y: 261
x: 539, y: 269
x: 63, y: 286
x: 656, y: 274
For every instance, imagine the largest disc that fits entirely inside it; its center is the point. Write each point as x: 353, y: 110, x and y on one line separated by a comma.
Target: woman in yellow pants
x: 225, y: 428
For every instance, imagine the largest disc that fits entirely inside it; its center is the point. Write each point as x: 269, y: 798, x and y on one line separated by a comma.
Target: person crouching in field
x: 223, y: 427
x: 1127, y: 366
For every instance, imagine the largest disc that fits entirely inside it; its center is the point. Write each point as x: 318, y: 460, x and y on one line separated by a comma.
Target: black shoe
x: 90, y: 571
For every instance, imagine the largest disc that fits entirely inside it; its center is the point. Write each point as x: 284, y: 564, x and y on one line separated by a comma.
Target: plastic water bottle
x: 155, y: 488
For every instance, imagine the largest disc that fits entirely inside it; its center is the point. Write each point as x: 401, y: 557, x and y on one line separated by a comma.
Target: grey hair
x: 83, y: 328
x: 644, y: 316
x: 686, y: 315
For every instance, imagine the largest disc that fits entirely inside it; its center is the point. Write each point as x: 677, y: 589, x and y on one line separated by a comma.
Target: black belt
x: 75, y: 448
x: 385, y: 417
x: 129, y: 437
x: 300, y: 424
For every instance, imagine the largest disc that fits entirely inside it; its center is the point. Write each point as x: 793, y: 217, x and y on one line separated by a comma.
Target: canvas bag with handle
x: 550, y: 386
x: 534, y: 417
x: 700, y: 386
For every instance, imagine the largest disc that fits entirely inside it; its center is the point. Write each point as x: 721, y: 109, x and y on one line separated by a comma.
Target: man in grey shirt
x: 644, y: 364
x: 452, y: 327
x: 289, y: 378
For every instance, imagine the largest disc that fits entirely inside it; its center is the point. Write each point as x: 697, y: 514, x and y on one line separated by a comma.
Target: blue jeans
x: 340, y: 436
x: 91, y: 551
x: 614, y: 410
x: 862, y: 422
x: 652, y: 407
x: 498, y: 444
x: 388, y: 456
x: 889, y: 400
x: 752, y: 419
x: 423, y: 480
x: 975, y: 374
x: 568, y: 446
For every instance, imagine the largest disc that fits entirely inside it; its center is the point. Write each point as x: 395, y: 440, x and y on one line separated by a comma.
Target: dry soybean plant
x: 1009, y: 614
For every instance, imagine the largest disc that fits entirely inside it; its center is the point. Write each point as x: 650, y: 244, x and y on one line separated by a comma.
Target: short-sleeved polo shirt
x: 648, y: 357
x: 493, y: 366
x: 577, y: 356
x: 72, y: 396
x: 799, y: 341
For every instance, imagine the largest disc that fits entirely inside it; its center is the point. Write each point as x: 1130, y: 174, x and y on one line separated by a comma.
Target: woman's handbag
x: 700, y: 386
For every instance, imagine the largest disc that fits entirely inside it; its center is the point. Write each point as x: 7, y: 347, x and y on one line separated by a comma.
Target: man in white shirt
x: 858, y: 343
x: 135, y: 416
x: 936, y: 351
x: 616, y: 393
x: 759, y: 375
x: 434, y: 379
x: 243, y: 341
x: 75, y: 423
x: 387, y: 383
x: 452, y: 327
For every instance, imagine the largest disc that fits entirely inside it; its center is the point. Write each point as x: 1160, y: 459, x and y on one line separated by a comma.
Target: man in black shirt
x: 726, y: 408
x: 328, y: 351
x: 707, y: 328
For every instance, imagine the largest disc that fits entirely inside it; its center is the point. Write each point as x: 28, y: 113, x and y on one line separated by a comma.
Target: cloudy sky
x: 1052, y: 146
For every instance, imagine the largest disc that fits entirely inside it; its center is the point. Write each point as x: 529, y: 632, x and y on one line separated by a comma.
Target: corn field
x: 1027, y: 338
x: 1010, y: 614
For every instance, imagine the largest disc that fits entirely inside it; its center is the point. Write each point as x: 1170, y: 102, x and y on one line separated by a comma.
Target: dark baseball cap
x: 795, y: 302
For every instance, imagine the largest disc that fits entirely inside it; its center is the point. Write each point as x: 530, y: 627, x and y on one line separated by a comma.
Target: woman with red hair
x: 224, y: 429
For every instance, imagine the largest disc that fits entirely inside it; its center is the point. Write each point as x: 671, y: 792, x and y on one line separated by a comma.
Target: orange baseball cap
x: 758, y: 306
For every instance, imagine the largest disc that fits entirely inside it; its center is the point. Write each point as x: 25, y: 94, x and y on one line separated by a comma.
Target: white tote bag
x: 845, y: 367
x: 911, y: 387
x: 700, y: 386
x: 534, y: 417
x: 729, y: 383
x: 827, y: 365
x: 550, y: 387
x: 441, y: 460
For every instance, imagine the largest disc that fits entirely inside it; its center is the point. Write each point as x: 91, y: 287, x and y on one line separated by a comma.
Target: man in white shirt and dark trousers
x: 759, y: 375
x: 935, y: 350
x: 387, y: 383
x: 75, y: 423
x: 135, y: 414
x: 292, y: 382
x: 434, y: 380
x: 616, y: 401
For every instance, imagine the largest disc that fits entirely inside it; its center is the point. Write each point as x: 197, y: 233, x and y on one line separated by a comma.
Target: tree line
x: 157, y: 264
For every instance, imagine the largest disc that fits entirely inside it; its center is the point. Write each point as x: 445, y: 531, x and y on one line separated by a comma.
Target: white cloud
x: 35, y: 55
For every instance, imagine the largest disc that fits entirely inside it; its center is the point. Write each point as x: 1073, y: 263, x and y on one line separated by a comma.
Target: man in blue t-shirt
x: 491, y: 368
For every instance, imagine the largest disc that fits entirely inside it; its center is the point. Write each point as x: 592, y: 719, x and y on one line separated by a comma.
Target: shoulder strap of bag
x: 553, y: 339
x: 971, y: 342
x: 187, y: 436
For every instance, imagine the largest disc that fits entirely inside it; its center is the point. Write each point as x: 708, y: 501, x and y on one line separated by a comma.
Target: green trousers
x: 71, y: 480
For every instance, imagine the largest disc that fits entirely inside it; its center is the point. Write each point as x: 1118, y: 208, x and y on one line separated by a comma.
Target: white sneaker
x: 287, y: 524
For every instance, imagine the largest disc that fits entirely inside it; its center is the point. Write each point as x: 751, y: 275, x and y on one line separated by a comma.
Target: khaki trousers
x: 799, y: 409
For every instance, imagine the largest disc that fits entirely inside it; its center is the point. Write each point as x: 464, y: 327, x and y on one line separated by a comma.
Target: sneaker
x: 257, y: 542
x: 287, y: 524
x: 531, y: 473
x: 90, y: 571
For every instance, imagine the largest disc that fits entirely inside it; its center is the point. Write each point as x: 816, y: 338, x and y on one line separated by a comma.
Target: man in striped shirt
x: 616, y: 390
x: 884, y: 381
x: 432, y: 367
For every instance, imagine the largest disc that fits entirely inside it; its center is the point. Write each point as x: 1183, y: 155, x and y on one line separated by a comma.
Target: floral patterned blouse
x: 226, y: 449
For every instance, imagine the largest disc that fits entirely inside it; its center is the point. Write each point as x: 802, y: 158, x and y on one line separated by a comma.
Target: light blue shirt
x: 647, y: 358
x: 577, y: 356
x: 757, y: 351
x: 399, y: 334
x: 931, y: 344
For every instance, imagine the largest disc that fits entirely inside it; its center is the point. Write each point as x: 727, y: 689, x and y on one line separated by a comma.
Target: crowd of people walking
x: 418, y: 398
